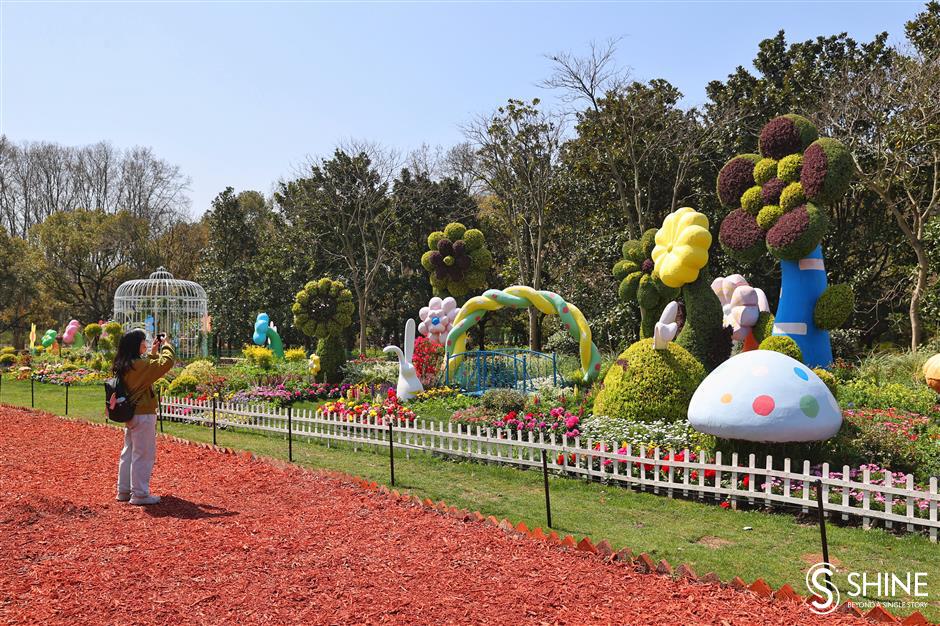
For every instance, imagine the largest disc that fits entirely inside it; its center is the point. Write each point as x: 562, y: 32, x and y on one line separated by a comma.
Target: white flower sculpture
x: 741, y: 304
x: 437, y: 318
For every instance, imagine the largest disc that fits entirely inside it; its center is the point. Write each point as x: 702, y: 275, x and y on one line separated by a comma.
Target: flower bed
x: 77, y: 376
x: 389, y: 411
x: 284, y: 395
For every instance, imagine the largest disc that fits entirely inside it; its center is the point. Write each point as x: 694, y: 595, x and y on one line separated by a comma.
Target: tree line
x: 556, y: 192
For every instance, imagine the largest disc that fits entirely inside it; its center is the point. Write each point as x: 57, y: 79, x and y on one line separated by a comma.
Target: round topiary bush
x: 785, y: 135
x: 834, y: 307
x: 502, y: 401
x: 792, y: 196
x: 789, y: 167
x: 797, y: 232
x: 646, y: 384
x: 752, y: 200
x: 769, y: 215
x: 764, y: 327
x: 457, y: 260
x: 828, y: 378
x: 783, y: 345
x: 741, y: 236
x: 735, y: 178
x: 770, y: 192
x: 764, y: 170
x: 827, y: 171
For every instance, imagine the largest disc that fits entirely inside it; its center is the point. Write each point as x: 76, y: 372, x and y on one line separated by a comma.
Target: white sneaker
x: 143, y: 500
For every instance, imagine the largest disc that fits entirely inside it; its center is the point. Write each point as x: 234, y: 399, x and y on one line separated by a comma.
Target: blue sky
x: 241, y: 93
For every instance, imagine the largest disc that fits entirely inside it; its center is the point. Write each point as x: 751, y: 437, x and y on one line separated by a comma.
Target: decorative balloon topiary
x: 799, y: 175
x: 324, y: 309
x: 637, y: 283
x: 646, y: 384
x: 457, y: 260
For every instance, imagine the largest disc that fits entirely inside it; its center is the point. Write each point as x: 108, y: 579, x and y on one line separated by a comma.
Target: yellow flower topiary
x: 681, y: 247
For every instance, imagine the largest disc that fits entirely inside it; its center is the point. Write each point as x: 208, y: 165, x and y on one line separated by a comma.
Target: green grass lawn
x: 777, y: 547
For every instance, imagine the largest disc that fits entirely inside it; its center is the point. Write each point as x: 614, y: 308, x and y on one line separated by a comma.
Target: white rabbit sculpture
x: 408, y: 383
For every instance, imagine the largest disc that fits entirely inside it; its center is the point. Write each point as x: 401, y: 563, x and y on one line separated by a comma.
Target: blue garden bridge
x: 506, y: 368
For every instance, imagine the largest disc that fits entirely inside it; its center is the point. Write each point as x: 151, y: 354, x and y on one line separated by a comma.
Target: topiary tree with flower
x: 457, y: 260
x: 680, y: 261
x: 324, y: 309
x: 638, y: 284
x: 778, y: 201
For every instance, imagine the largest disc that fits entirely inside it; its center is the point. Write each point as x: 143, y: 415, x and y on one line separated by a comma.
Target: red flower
x: 746, y: 481
x: 725, y: 505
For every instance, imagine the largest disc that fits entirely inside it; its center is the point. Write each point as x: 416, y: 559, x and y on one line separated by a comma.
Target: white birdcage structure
x: 163, y: 304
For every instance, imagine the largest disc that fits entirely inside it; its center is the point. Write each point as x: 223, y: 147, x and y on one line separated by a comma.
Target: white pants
x: 138, y: 456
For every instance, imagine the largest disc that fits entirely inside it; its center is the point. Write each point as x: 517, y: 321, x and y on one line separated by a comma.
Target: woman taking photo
x: 138, y: 371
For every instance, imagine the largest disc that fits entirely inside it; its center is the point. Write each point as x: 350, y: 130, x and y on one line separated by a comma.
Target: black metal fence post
x: 290, y: 443
x: 32, y: 392
x: 67, y: 398
x: 548, y: 501
x: 213, y: 420
x: 1, y: 385
x: 391, y: 450
x: 822, y: 529
x: 160, y: 409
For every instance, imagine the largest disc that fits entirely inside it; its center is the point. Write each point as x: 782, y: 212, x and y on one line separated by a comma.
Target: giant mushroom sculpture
x: 765, y: 396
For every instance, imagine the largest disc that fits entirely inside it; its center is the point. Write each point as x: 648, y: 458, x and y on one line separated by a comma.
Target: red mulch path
x: 241, y: 541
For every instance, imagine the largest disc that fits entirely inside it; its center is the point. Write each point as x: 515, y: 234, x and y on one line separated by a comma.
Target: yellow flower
x: 681, y: 247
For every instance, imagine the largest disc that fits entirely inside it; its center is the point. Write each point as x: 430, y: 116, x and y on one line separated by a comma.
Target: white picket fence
x: 905, y: 506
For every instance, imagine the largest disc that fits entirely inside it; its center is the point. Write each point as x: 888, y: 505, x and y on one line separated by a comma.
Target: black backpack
x: 117, y: 400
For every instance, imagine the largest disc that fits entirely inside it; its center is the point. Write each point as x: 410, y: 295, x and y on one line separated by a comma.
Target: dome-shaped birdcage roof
x: 162, y: 303
x: 160, y: 284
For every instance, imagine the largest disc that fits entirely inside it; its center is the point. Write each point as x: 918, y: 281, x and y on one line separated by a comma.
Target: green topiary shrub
x: 202, y: 370
x: 827, y: 377
x: 792, y: 196
x: 93, y: 331
x: 797, y: 232
x: 637, y: 283
x: 783, y: 345
x: 703, y: 333
x: 646, y: 384
x: 764, y: 170
x: 323, y: 307
x: 789, y: 167
x: 332, y: 355
x: 7, y: 359
x: 764, y: 327
x: 502, y: 401
x: 827, y: 171
x: 7, y: 350
x: 834, y: 307
x: 768, y: 216
x: 113, y: 330
x: 752, y: 200
x: 457, y: 260
x: 785, y: 135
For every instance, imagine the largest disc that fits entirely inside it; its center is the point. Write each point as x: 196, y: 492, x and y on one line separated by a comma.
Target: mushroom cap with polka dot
x: 765, y: 396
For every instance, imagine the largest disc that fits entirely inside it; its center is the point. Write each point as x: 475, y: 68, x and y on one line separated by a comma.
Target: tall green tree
x: 889, y: 115
x: 88, y: 254
x: 238, y: 226
x: 21, y: 268
x: 517, y: 155
x: 343, y: 207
